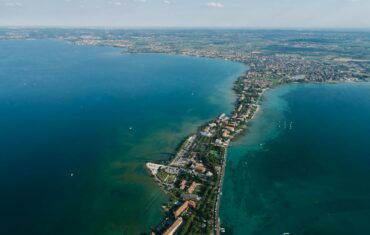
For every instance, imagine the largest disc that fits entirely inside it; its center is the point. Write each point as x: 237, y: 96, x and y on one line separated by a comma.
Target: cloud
x: 214, y: 5
x: 166, y: 1
x: 14, y: 4
x: 115, y: 3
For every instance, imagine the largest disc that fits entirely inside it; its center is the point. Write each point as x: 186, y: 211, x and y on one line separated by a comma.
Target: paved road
x: 218, y: 200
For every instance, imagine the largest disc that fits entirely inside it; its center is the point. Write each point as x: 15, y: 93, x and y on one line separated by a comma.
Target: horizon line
x: 183, y: 27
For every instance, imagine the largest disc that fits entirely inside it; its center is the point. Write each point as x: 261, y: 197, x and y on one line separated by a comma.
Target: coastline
x: 257, y: 164
x: 254, y: 110
x: 218, y: 217
x: 240, y: 118
x: 259, y: 74
x: 217, y: 221
x: 218, y: 229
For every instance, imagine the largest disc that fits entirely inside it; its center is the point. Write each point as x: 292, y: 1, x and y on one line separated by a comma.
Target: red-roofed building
x: 172, y: 229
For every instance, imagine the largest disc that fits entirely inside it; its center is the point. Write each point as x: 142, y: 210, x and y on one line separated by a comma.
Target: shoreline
x: 256, y: 76
x: 254, y: 112
x: 218, y: 227
x: 255, y: 108
x: 248, y: 94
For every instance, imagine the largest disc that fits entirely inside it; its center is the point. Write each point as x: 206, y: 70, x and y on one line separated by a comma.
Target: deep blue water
x: 78, y: 123
x: 304, y: 165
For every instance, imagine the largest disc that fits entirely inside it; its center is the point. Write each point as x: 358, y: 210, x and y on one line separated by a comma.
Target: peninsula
x: 193, y: 178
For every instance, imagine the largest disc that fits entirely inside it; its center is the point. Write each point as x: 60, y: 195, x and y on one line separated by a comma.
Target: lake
x: 78, y: 124
x: 303, y: 167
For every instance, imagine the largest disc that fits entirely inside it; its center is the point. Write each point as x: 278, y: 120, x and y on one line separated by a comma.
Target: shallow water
x: 304, y: 165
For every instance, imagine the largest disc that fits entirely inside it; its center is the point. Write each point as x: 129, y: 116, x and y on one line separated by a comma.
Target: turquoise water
x: 78, y: 124
x: 304, y: 166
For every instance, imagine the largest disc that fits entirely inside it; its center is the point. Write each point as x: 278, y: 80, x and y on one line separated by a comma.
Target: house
x: 219, y: 142
x: 226, y: 134
x: 212, y: 125
x: 209, y: 174
x: 206, y: 134
x: 222, y: 116
x: 240, y: 108
x: 230, y: 128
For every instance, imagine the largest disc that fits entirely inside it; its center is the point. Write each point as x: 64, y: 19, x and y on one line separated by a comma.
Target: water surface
x: 78, y: 124
x: 304, y: 166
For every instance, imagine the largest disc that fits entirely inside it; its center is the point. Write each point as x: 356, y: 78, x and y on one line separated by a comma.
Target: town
x: 193, y: 178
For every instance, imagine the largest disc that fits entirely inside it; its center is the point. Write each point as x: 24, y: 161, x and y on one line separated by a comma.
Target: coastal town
x: 192, y: 179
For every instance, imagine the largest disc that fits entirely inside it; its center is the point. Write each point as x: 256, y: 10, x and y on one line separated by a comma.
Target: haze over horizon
x: 187, y: 13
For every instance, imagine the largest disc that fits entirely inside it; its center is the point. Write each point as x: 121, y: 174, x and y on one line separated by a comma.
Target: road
x: 217, y: 224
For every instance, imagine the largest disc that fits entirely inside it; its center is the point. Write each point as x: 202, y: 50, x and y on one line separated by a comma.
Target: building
x: 212, y: 125
x: 206, y: 134
x: 192, y: 204
x: 209, y: 174
x: 171, y: 170
x: 219, y: 142
x: 222, y: 116
x: 188, y: 196
x: 172, y: 229
x: 230, y: 128
x: 240, y: 108
x: 183, y: 184
x: 199, y: 167
x: 226, y: 134
x: 183, y: 208
x: 192, y: 187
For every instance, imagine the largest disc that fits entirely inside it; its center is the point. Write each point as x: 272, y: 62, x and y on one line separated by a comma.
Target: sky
x: 187, y: 13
